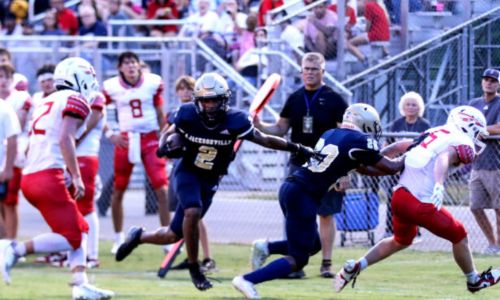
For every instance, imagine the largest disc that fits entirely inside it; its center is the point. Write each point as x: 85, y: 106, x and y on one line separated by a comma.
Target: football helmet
x: 363, y: 117
x: 76, y: 74
x: 211, y: 97
x: 471, y: 122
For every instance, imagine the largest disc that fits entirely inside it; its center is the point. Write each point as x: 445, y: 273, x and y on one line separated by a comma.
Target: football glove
x: 173, y: 147
x: 438, y: 196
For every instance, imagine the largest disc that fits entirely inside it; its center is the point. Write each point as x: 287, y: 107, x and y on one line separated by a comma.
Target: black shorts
x: 331, y: 203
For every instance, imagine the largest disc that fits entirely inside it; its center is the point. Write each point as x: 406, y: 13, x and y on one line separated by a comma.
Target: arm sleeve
x: 245, y: 127
x: 107, y: 97
x: 465, y: 153
x: 98, y: 102
x: 285, y: 112
x: 365, y: 151
x: 158, y: 97
x: 341, y: 107
x: 76, y: 108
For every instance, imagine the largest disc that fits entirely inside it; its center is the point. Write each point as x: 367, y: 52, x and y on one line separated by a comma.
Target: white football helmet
x: 76, y: 74
x: 362, y: 117
x: 211, y: 87
x: 471, y: 122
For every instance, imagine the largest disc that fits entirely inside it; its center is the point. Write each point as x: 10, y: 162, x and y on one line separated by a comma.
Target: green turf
x: 408, y: 275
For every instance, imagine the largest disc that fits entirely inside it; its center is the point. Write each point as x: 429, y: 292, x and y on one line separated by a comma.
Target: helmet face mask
x: 471, y: 122
x: 364, y: 118
x: 76, y: 74
x: 211, y: 96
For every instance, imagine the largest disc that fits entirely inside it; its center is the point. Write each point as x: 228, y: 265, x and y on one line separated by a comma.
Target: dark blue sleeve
x: 365, y: 150
x: 243, y: 128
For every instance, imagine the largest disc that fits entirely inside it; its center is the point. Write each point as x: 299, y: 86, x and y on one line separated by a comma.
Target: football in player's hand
x: 173, y: 146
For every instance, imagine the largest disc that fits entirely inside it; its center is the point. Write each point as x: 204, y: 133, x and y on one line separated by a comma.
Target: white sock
x: 93, y: 239
x: 78, y: 257
x: 50, y: 242
x: 119, y: 237
x: 472, y: 277
x: 80, y: 278
x: 20, y: 249
x: 363, y: 263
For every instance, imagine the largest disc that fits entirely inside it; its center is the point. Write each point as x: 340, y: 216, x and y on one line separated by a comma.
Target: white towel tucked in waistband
x: 134, y: 147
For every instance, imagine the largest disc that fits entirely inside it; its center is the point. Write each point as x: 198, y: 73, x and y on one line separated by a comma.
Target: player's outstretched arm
x: 278, y: 143
x: 397, y: 148
x: 385, y: 166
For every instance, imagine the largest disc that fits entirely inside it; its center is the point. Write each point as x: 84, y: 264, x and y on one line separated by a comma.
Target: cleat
x: 8, y: 259
x: 326, y: 271
x: 115, y: 247
x: 93, y: 263
x: 260, y: 252
x: 198, y: 278
x: 486, y: 279
x: 208, y: 266
x: 131, y: 242
x: 86, y: 291
x: 183, y: 265
x: 349, y: 272
x: 245, y: 287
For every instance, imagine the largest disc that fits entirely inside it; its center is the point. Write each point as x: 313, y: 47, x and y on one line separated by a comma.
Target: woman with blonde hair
x: 412, y: 108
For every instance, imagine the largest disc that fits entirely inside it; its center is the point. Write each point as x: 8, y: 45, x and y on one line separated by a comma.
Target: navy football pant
x: 191, y: 191
x: 299, y: 209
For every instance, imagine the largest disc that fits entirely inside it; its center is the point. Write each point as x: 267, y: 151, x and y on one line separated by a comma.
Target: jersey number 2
x: 35, y: 130
x: 136, y: 106
x: 205, y: 157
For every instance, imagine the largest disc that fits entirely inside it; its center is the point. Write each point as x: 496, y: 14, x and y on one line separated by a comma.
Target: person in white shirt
x: 20, y: 101
x: 19, y: 82
x: 57, y: 123
x: 418, y: 198
x: 9, y: 130
x: 138, y: 99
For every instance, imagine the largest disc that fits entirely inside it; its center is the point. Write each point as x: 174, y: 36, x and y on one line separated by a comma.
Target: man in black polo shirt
x: 484, y: 185
x: 309, y: 111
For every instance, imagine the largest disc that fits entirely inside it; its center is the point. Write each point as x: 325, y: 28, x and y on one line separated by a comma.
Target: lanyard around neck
x: 310, y: 102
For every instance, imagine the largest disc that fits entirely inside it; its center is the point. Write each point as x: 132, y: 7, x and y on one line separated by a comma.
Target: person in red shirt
x: 265, y: 6
x: 66, y: 18
x: 350, y: 15
x: 162, y: 10
x: 377, y: 29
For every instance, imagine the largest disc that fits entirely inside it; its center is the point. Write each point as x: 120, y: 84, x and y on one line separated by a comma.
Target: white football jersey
x: 20, y: 100
x: 137, y: 104
x: 418, y: 173
x: 37, y: 98
x: 90, y: 143
x: 19, y: 82
x: 44, y: 149
x: 9, y: 126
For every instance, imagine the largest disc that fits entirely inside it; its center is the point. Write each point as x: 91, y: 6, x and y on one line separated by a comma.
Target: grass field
x: 408, y: 275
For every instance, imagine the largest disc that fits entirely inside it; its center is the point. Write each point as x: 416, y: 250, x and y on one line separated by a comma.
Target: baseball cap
x: 492, y: 73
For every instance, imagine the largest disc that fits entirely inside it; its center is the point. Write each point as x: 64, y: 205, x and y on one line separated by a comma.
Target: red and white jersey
x: 19, y: 101
x: 37, y: 98
x: 418, y: 174
x: 46, y: 126
x: 91, y: 142
x: 19, y: 82
x: 9, y: 126
x: 136, y: 104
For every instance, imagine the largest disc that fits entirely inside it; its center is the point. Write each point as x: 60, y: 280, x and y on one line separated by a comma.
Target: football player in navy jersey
x: 209, y: 129
x: 352, y: 146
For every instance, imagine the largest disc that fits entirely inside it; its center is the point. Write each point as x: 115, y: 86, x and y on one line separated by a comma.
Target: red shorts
x: 89, y: 165
x: 408, y: 213
x: 154, y: 166
x: 13, y: 188
x: 46, y: 191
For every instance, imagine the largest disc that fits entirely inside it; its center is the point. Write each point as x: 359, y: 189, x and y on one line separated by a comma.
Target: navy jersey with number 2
x: 342, y: 150
x: 210, y: 150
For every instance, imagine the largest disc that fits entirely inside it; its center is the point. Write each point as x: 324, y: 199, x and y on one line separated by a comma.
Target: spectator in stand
x: 91, y: 26
x: 377, y: 29
x: 350, y: 15
x: 200, y: 21
x: 10, y: 28
x: 162, y: 10
x: 320, y: 33
x: 264, y: 7
x: 411, y: 108
x: 231, y: 26
x: 66, y: 18
x: 41, y: 6
x: 101, y: 8
x: 249, y: 63
x: 50, y: 25
x: 117, y: 12
x: 20, y: 9
x: 182, y: 8
x: 247, y: 37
